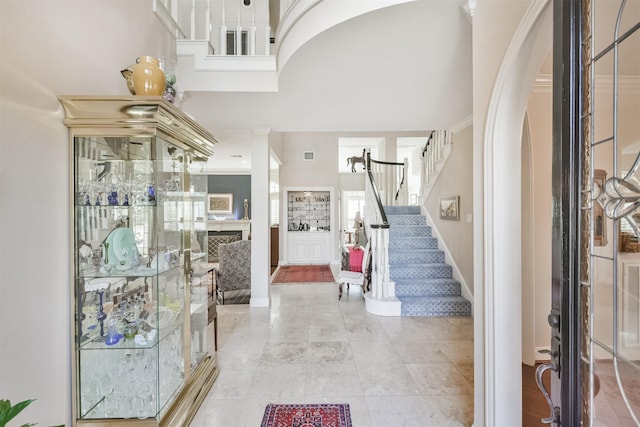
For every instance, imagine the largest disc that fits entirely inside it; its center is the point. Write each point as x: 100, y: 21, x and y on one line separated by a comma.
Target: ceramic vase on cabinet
x: 148, y: 77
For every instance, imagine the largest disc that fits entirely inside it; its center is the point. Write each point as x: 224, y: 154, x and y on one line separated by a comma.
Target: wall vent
x: 309, y: 155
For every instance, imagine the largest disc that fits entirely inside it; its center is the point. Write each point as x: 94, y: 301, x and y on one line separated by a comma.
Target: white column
x: 260, y: 226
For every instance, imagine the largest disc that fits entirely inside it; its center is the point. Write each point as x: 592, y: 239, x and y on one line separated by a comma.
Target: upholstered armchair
x: 234, y: 272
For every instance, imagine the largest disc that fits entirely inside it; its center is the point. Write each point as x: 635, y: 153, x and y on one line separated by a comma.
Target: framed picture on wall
x: 450, y: 208
x: 221, y: 203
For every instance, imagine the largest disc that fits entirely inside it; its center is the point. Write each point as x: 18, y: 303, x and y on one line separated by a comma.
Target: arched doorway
x: 498, y: 385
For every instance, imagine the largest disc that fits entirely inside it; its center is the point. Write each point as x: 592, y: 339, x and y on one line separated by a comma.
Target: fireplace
x: 216, y: 238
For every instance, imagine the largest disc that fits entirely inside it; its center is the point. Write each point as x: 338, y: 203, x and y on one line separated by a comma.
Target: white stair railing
x: 381, y: 286
x: 206, y: 21
x: 381, y: 299
x: 390, y: 177
x: 436, y: 150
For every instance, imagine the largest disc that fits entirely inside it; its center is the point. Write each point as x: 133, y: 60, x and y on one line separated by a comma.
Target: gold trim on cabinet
x: 143, y: 113
x: 136, y: 116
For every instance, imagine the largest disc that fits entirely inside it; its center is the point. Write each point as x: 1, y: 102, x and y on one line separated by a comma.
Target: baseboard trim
x: 259, y: 302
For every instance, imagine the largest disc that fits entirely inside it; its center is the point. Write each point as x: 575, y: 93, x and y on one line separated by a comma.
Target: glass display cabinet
x: 308, y: 210
x: 143, y: 349
x: 308, y: 237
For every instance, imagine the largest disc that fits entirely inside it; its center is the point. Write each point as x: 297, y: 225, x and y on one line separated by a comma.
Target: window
x: 353, y: 202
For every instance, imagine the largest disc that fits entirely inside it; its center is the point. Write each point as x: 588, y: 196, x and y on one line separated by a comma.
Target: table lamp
x: 357, y: 225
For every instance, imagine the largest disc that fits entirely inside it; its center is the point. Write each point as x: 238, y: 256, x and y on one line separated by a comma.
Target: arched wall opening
x: 501, y: 386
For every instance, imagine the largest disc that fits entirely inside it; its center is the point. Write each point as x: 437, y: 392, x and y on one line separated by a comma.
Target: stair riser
x: 452, y: 309
x: 406, y: 220
x: 416, y: 257
x: 402, y: 210
x: 413, y: 243
x: 409, y: 231
x: 442, y: 271
x: 423, y: 290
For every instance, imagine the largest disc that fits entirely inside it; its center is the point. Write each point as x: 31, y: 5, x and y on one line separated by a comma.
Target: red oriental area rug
x: 314, y: 415
x: 303, y: 273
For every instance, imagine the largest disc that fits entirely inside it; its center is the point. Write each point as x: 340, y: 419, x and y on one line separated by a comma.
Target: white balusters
x: 381, y: 299
x: 206, y: 20
x: 222, y: 49
x: 252, y: 33
x: 239, y: 32
x: 192, y: 33
x: 436, y: 152
x: 381, y: 287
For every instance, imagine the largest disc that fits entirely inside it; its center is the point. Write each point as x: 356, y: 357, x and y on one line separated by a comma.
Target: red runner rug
x: 314, y: 415
x: 303, y: 273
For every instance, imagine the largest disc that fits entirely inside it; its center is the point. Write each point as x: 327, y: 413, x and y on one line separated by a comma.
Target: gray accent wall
x: 238, y: 185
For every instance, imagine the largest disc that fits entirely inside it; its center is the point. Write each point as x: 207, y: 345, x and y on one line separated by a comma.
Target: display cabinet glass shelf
x: 308, y: 211
x: 143, y: 348
x: 307, y: 237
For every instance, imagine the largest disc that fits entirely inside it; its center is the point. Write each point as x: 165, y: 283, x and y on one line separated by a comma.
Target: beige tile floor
x: 308, y: 347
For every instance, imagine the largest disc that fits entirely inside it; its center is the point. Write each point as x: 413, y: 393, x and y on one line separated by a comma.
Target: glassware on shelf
x: 105, y: 258
x: 113, y: 336
x: 101, y: 314
x: 130, y: 329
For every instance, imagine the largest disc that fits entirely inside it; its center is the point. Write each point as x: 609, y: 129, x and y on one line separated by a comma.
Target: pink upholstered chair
x: 359, y: 278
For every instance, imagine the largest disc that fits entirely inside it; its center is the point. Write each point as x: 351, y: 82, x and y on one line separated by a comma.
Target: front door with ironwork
x: 595, y: 317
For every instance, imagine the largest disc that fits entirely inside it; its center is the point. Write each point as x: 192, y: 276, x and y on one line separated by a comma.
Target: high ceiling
x: 403, y: 68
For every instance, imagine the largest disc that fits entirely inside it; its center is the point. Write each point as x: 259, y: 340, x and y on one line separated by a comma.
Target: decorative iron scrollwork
x: 621, y: 197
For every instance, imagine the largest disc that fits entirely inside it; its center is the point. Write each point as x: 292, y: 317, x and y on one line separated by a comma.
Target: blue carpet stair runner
x: 424, y: 282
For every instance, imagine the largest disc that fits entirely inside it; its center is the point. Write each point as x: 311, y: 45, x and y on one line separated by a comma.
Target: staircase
x: 423, y: 281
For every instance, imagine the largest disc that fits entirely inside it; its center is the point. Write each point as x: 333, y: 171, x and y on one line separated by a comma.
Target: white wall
x: 527, y: 298
x: 49, y: 49
x: 456, y: 179
x: 320, y: 172
x: 540, y: 134
x: 510, y: 41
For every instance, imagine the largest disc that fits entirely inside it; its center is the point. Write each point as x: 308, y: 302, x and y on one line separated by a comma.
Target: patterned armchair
x: 234, y: 272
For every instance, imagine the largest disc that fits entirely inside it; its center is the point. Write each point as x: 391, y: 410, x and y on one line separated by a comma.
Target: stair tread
x: 419, y: 264
x: 396, y: 250
x: 425, y: 281
x: 432, y: 298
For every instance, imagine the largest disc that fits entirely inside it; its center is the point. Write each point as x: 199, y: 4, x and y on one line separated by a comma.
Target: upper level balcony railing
x: 254, y: 27
x: 231, y: 27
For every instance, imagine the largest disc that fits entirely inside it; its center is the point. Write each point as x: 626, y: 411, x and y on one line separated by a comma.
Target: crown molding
x: 457, y: 127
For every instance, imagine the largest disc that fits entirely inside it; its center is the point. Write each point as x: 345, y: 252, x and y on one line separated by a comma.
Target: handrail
x: 381, y: 299
x: 376, y: 193
x: 435, y: 152
x: 426, y: 146
x: 380, y: 162
x: 390, y: 177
